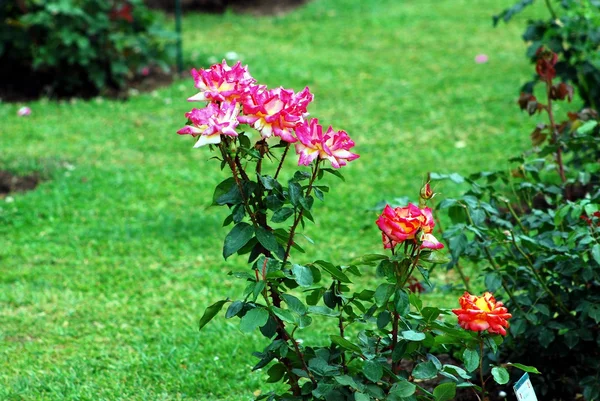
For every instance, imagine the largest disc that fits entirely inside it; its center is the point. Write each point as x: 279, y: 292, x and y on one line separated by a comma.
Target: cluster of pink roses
x: 234, y: 98
x: 406, y: 223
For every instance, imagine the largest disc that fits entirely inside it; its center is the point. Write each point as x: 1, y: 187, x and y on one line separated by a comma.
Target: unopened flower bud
x: 426, y: 192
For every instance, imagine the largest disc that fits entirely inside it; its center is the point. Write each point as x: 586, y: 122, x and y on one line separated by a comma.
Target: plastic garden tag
x: 524, y: 389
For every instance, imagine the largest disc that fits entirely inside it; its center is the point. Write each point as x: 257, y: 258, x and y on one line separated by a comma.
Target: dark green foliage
x: 78, y: 47
x: 572, y: 30
x: 536, y: 238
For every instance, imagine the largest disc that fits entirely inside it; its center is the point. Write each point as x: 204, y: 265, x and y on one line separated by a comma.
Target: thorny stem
x: 561, y: 168
x: 395, y: 340
x: 341, y: 327
x: 557, y: 301
x: 300, y: 214
x: 234, y: 171
x: 290, y: 337
x: 287, y: 147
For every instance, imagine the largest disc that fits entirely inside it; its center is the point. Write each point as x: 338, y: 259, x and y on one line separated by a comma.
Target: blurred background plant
x: 78, y: 47
x: 571, y: 30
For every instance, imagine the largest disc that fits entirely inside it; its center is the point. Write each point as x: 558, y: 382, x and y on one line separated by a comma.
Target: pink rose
x: 313, y: 143
x: 221, y: 83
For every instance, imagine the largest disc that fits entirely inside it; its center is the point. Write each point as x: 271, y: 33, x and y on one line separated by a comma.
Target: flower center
x: 482, y: 304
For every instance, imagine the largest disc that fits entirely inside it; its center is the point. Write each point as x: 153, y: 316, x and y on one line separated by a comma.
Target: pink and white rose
x: 331, y: 145
x: 211, y: 122
x: 222, y: 83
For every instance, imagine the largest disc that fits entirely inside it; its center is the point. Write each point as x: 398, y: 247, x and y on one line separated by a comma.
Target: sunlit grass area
x: 107, y: 266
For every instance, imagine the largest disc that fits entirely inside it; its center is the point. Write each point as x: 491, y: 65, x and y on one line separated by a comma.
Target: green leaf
x: 346, y: 380
x: 234, y: 309
x: 525, y: 368
x: 253, y: 318
x: 373, y: 371
x: 457, y: 371
x: 412, y: 335
x: 358, y: 396
x: 471, y: 359
x: 436, y: 258
x: 284, y: 315
x: 368, y: 260
x: 323, y: 310
x: 402, y: 302
x: 500, y: 375
x: 294, y: 304
x: 587, y: 127
x: 403, y: 389
x: 425, y: 274
x: 282, y: 215
x: 268, y: 240
x: 493, y: 281
x: 211, y: 312
x: 594, y: 313
x: 596, y: 253
x: 294, y: 193
x: 342, y: 342
x: 239, y: 236
x: 445, y: 391
x: 383, y: 319
x: 425, y: 370
x: 334, y: 172
x: 302, y: 275
x: 383, y: 294
x: 227, y: 193
x: 276, y: 373
x: 334, y: 271
x: 430, y: 314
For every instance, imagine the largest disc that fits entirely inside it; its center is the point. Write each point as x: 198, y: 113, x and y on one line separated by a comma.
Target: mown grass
x: 106, y: 268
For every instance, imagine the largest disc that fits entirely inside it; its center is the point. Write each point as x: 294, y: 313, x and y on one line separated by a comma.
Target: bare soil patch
x: 10, y: 183
x: 254, y: 7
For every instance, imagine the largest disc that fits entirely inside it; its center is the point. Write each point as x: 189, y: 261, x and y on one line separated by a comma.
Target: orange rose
x: 482, y: 313
x: 403, y: 223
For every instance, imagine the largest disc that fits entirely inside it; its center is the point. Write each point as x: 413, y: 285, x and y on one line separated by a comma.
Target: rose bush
x: 385, y: 338
x: 532, y: 233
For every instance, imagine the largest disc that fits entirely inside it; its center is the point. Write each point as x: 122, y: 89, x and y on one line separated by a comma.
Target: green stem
x: 341, y: 328
x: 298, y: 217
x: 481, y: 367
x: 515, y: 216
x: 557, y: 301
x: 281, y: 161
x: 234, y: 171
x: 490, y: 258
x: 458, y: 266
x: 551, y: 9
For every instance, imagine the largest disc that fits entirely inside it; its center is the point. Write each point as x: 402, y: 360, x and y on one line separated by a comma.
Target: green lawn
x: 106, y: 268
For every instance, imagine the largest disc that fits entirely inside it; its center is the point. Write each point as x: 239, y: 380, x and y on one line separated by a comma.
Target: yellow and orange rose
x: 482, y: 313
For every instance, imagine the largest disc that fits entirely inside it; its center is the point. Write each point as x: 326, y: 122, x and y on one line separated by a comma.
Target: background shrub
x: 78, y: 47
x: 572, y: 30
x: 534, y: 232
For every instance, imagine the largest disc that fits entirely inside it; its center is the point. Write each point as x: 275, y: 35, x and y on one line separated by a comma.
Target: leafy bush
x: 78, y: 46
x: 573, y: 32
x: 535, y: 233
